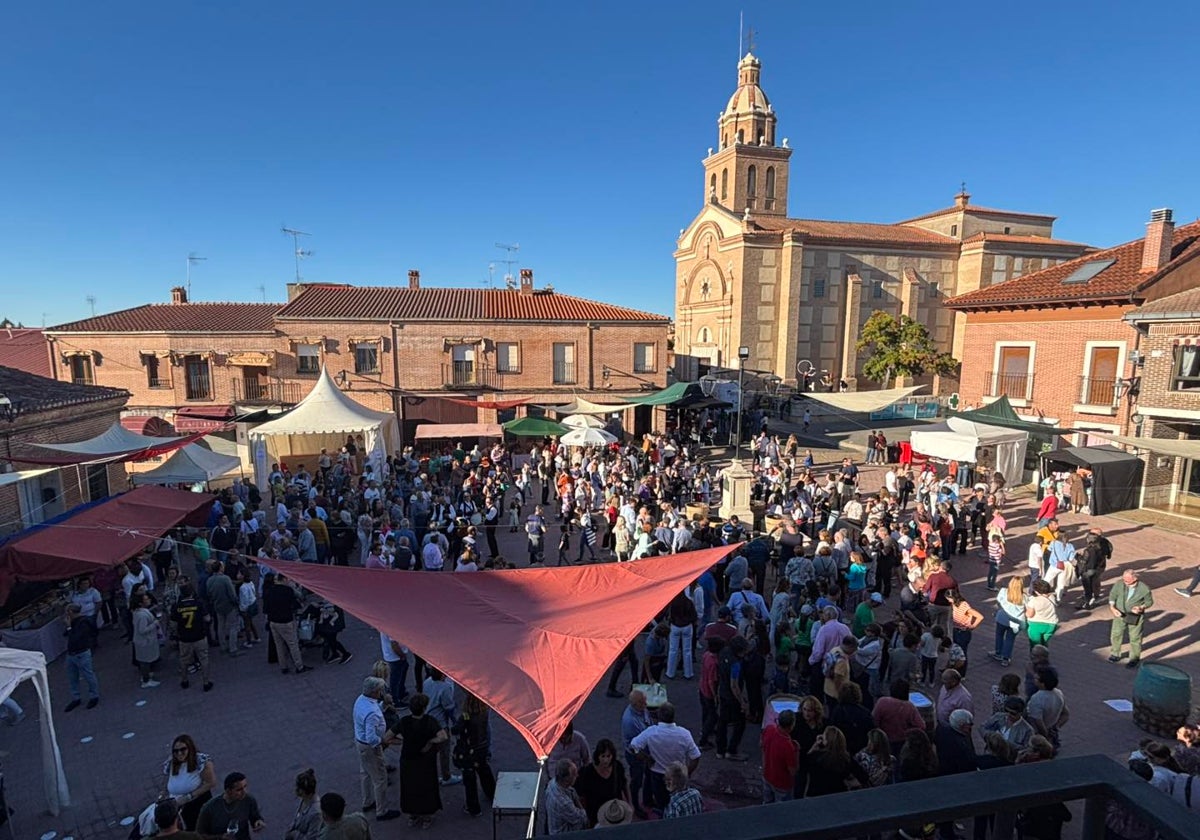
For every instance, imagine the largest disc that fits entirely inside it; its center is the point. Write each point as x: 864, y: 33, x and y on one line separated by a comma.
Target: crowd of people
x: 843, y: 601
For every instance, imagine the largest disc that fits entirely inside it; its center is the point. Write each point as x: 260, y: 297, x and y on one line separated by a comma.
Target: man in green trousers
x: 1128, y: 603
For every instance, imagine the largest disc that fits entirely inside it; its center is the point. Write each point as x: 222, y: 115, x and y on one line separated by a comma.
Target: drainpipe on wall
x: 397, y: 396
x: 591, y: 328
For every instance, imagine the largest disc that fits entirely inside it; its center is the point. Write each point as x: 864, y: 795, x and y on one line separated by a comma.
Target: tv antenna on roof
x: 91, y: 299
x: 512, y: 260
x: 192, y: 259
x: 300, y: 253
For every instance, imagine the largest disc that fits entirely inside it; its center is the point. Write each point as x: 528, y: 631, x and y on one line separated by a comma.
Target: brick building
x: 1168, y: 406
x: 1057, y: 342
x: 35, y: 409
x: 25, y: 349
x: 797, y: 291
x: 412, y: 350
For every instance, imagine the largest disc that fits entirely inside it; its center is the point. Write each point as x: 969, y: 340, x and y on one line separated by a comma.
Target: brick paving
x: 272, y: 726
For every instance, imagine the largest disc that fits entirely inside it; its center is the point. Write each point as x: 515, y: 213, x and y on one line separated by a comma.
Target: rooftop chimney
x: 962, y: 199
x: 179, y: 295
x: 526, y: 281
x: 1160, y: 233
x: 414, y: 279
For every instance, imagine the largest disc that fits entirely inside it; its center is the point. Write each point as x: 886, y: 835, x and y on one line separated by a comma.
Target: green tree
x: 900, y: 347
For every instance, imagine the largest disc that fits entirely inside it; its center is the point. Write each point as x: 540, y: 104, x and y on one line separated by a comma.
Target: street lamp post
x: 743, y: 354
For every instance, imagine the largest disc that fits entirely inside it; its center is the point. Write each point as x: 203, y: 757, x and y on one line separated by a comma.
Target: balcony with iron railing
x: 468, y: 375
x: 564, y: 373
x: 1099, y: 391
x: 266, y: 392
x: 1015, y: 386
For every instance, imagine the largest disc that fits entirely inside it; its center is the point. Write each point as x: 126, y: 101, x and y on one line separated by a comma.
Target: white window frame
x: 1030, y: 367
x: 1089, y: 408
x: 300, y: 354
x: 516, y: 354
x: 374, y: 345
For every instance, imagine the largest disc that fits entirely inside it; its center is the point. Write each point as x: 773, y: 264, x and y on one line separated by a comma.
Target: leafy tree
x: 900, y: 347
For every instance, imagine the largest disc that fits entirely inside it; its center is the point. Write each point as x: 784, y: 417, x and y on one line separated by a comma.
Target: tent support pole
x: 537, y: 790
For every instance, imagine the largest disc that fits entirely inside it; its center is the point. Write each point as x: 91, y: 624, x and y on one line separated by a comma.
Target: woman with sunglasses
x: 191, y: 778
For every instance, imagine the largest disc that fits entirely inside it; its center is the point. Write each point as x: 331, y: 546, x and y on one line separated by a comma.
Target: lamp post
x: 743, y: 355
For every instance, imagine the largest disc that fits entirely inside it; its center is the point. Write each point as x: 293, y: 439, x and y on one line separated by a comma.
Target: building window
x: 366, y: 357
x: 751, y: 184
x: 933, y: 289
x: 818, y: 287
x: 770, y: 182
x: 1007, y: 229
x: 724, y: 184
x: 564, y: 364
x: 704, y: 336
x: 712, y: 185
x: 97, y: 482
x: 81, y: 370
x: 157, y: 376
x: 308, y: 358
x: 198, y: 378
x: 1013, y: 376
x: 1099, y: 380
x: 508, y: 356
x: 741, y: 136
x: 1187, y: 368
x: 644, y: 357
x: 954, y: 230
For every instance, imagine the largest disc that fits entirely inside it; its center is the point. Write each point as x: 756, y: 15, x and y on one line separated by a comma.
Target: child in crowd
x: 995, y: 555
x: 931, y: 642
x: 1009, y: 686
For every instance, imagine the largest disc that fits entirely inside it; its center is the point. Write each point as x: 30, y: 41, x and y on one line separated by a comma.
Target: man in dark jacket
x: 955, y: 752
x: 280, y: 604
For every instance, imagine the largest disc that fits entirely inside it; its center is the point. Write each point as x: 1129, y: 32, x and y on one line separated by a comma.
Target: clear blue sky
x: 408, y: 135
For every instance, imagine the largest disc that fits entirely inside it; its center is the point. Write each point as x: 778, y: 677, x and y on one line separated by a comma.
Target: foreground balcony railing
x: 1015, y: 386
x: 1094, y: 779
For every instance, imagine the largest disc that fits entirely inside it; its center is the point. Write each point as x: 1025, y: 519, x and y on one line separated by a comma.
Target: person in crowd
x: 952, y: 696
x: 81, y: 639
x: 781, y: 759
x: 1047, y: 708
x: 1010, y: 619
x: 602, y: 780
x: 337, y: 824
x: 1011, y: 724
x: 146, y: 646
x: 443, y: 708
x: 634, y: 721
x: 1128, y: 603
x: 473, y: 753
x: 234, y: 814
x: 572, y: 745
x: 896, y: 715
x: 281, y: 603
x: 564, y: 809
x: 876, y: 758
x: 1041, y: 614
x: 663, y: 744
x: 685, y: 800
x: 371, y: 737
x: 831, y: 765
x: 191, y: 779
x: 732, y: 703
x: 420, y: 736
x: 306, y: 824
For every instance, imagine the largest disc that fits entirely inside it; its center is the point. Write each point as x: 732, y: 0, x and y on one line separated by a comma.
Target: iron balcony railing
x: 266, y: 391
x: 467, y: 375
x: 1098, y: 391
x: 1015, y: 386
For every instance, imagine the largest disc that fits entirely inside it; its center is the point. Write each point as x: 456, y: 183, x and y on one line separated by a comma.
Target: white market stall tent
x: 322, y: 420
x: 191, y: 464
x: 960, y: 440
x: 16, y: 666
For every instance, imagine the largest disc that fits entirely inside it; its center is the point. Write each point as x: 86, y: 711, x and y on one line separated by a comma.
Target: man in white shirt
x: 666, y: 743
x: 431, y: 555
x: 892, y: 482
x: 370, y: 738
x: 136, y: 572
x: 396, y: 656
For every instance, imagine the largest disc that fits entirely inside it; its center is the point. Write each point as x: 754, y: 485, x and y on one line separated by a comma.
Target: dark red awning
x: 150, y: 425
x: 203, y: 418
x: 499, y: 405
x: 101, y: 535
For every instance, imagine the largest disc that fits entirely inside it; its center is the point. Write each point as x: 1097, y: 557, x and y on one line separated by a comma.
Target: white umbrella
x: 586, y: 437
x: 582, y: 421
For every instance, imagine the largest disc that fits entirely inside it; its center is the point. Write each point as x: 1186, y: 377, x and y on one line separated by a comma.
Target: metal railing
x: 467, y: 375
x: 1015, y: 386
x: 266, y: 391
x: 564, y: 373
x: 198, y: 386
x: 1098, y: 391
x: 1002, y: 793
x: 159, y: 382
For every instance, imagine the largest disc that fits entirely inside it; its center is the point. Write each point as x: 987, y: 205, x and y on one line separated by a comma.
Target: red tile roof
x: 400, y: 303
x: 180, y: 318
x: 1015, y: 239
x: 1182, y: 305
x: 42, y: 393
x: 1116, y: 282
x: 25, y: 349
x: 815, y: 229
x: 978, y: 211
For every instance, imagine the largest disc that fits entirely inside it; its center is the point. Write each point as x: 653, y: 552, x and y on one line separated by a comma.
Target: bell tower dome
x: 748, y: 171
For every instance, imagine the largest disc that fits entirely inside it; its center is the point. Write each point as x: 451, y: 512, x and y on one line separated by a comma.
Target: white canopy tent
x: 321, y: 421
x: 116, y: 440
x: 961, y: 440
x: 16, y: 666
x: 191, y: 464
x: 581, y: 406
x: 863, y: 401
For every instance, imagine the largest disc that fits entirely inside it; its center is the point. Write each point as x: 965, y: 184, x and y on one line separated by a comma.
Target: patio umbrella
x: 586, y: 437
x: 534, y: 427
x: 583, y: 421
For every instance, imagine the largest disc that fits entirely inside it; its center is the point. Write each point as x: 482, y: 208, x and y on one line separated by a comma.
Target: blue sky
x: 418, y: 135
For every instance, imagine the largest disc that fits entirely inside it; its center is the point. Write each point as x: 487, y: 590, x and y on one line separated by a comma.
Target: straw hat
x: 614, y: 812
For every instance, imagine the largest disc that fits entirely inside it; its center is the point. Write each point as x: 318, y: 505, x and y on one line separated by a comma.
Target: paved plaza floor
x: 272, y: 726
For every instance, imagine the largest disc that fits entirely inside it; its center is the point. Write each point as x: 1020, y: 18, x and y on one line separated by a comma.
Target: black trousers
x: 731, y: 726
x: 478, y: 775
x: 629, y: 654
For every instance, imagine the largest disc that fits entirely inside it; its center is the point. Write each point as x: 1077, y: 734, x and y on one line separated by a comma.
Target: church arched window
x: 704, y: 336
x: 712, y: 184
x: 741, y: 135
x: 770, y: 182
x: 751, y: 181
x: 724, y: 184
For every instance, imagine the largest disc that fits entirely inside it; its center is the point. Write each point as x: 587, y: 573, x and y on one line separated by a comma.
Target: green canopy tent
x: 1000, y: 413
x: 534, y: 427
x: 670, y: 395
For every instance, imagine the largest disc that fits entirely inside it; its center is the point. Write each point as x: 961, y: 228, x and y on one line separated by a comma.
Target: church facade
x: 796, y: 292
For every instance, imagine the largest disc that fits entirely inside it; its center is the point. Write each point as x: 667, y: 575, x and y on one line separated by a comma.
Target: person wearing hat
x: 864, y: 614
x: 614, y: 812
x: 1011, y: 724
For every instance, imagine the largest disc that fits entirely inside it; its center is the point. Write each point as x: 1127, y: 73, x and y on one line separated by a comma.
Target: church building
x: 795, y: 291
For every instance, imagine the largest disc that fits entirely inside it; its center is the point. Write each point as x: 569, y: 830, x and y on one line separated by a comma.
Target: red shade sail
x: 102, y: 535
x: 531, y: 643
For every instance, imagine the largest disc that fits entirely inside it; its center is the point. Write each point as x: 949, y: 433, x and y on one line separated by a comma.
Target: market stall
x: 1116, y: 475
x: 999, y: 449
x: 16, y: 667
x: 192, y: 465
